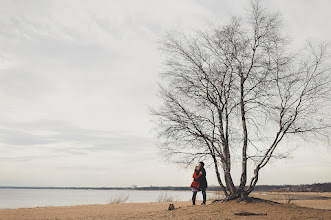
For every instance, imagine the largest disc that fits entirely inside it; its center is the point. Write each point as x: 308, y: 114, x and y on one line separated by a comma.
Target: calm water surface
x: 27, y: 198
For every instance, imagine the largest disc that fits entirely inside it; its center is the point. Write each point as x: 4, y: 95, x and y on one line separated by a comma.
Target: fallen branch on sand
x: 244, y: 213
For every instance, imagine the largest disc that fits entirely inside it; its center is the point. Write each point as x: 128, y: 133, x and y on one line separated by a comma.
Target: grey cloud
x: 57, y: 132
x: 18, y: 137
x: 114, y: 31
x: 19, y: 82
x: 114, y: 27
x: 38, y: 40
x: 27, y: 158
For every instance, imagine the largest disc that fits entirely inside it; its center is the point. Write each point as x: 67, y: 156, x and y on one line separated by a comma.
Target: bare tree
x: 235, y: 92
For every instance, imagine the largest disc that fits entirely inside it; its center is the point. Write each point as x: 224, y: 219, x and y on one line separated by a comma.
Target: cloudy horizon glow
x: 77, y: 78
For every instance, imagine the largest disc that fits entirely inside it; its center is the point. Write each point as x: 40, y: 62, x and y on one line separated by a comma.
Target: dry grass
x: 119, y: 199
x: 215, y: 196
x: 305, y: 199
x: 165, y: 197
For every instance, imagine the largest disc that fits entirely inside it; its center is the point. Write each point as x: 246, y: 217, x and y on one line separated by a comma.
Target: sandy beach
x: 317, y: 207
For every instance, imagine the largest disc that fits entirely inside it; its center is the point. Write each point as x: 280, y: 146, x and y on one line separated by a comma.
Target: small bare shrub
x: 164, y: 197
x: 119, y: 199
x: 288, y: 198
x: 215, y: 196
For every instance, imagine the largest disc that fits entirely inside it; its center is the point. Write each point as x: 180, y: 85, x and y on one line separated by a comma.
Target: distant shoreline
x: 316, y: 187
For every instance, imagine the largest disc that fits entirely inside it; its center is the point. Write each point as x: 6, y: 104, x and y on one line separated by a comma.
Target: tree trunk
x: 229, y: 182
x: 219, y: 177
x: 243, y: 178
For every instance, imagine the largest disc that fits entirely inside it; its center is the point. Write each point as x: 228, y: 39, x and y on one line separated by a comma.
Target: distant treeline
x: 316, y: 187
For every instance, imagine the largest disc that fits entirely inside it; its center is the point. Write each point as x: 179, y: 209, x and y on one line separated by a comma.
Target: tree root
x: 244, y: 200
x: 255, y: 200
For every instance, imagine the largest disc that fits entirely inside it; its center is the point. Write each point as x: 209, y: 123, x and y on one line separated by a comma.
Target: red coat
x: 196, y: 183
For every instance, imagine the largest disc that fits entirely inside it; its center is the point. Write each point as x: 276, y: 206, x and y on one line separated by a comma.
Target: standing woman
x: 203, y: 182
x: 196, y: 183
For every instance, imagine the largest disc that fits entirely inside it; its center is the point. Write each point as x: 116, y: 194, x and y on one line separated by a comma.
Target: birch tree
x: 236, y: 92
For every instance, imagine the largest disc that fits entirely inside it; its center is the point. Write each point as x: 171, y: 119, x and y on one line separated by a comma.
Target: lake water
x: 27, y: 198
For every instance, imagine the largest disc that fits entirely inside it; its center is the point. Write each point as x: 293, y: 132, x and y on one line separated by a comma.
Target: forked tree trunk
x: 234, y: 76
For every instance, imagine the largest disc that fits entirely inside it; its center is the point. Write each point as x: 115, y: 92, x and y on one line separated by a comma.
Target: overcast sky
x: 77, y: 77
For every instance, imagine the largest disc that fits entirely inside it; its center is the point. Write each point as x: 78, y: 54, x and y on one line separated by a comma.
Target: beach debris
x: 245, y: 213
x: 218, y: 201
x: 171, y: 207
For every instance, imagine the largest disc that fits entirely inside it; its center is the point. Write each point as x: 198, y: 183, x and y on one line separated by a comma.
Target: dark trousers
x: 194, y: 197
x: 203, y: 190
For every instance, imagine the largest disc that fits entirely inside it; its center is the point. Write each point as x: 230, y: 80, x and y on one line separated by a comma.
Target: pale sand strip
x: 187, y: 211
x: 111, y: 211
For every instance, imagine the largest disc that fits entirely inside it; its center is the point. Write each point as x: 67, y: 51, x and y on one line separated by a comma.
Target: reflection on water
x: 26, y: 198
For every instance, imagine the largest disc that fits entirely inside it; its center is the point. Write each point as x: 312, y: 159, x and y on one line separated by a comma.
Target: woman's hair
x: 196, y: 169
